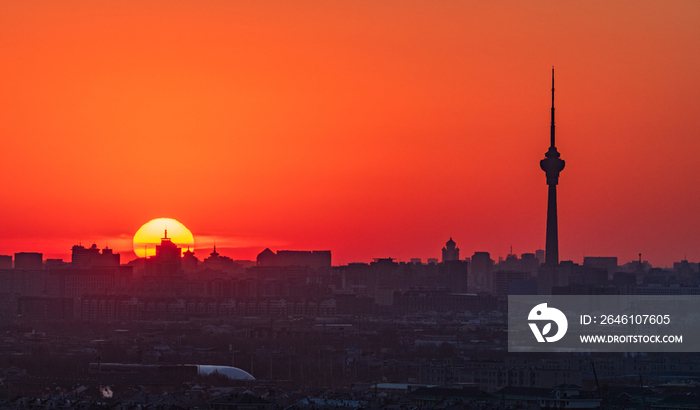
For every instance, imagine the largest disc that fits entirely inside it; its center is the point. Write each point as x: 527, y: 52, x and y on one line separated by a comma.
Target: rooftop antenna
x: 552, y: 125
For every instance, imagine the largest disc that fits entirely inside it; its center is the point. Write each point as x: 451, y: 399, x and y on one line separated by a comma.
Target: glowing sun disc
x: 150, y: 234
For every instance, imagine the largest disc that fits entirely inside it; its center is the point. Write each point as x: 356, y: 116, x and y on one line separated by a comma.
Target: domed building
x: 450, y: 252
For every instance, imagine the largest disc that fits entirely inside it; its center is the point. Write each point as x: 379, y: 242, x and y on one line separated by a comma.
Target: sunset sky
x: 370, y: 128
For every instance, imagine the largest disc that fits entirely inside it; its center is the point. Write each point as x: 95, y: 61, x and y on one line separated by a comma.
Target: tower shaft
x: 552, y: 165
x: 551, y: 256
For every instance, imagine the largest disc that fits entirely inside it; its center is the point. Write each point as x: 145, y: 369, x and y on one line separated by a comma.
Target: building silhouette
x: 82, y: 257
x: 552, y: 165
x: 29, y: 261
x: 167, y: 262
x: 312, y: 259
x: 480, y: 275
x: 450, y: 252
x: 189, y: 261
x: 217, y: 262
x: 539, y: 254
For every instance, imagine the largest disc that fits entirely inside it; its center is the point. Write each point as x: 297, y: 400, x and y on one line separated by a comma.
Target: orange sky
x: 371, y: 128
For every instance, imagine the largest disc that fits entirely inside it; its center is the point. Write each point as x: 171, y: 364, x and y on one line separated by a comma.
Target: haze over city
x: 371, y: 129
x: 373, y: 205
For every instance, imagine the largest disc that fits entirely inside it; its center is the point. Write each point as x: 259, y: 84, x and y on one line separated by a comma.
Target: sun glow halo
x: 150, y: 234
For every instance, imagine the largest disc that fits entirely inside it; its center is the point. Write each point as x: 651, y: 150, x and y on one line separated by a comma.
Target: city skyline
x: 201, y: 253
x: 370, y: 130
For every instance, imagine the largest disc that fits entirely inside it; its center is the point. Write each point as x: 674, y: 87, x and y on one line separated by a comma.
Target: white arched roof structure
x: 233, y: 373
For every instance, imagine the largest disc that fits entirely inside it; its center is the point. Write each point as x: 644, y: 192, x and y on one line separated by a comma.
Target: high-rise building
x: 29, y: 261
x: 539, y: 254
x: 83, y: 257
x: 480, y: 273
x: 167, y: 261
x: 552, y: 165
x: 312, y: 259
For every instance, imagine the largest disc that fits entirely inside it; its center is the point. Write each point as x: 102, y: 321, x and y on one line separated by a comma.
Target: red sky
x: 371, y: 128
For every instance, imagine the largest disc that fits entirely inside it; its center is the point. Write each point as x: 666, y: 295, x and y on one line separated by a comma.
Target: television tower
x: 552, y: 166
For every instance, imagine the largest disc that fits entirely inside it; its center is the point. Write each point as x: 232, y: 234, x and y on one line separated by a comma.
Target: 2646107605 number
x: 635, y: 319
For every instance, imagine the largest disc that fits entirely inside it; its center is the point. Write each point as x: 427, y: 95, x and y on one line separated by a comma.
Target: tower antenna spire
x: 552, y: 124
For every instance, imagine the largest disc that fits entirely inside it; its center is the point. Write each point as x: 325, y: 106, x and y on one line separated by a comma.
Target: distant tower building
x: 82, y: 257
x: 189, y: 261
x: 217, y: 262
x: 311, y: 259
x: 539, y: 254
x: 480, y: 273
x: 552, y: 165
x: 454, y: 270
x: 450, y: 252
x: 167, y: 261
x: 29, y: 261
x: 168, y: 250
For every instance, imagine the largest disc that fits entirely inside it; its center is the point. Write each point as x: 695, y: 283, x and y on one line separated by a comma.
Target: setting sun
x: 150, y: 234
